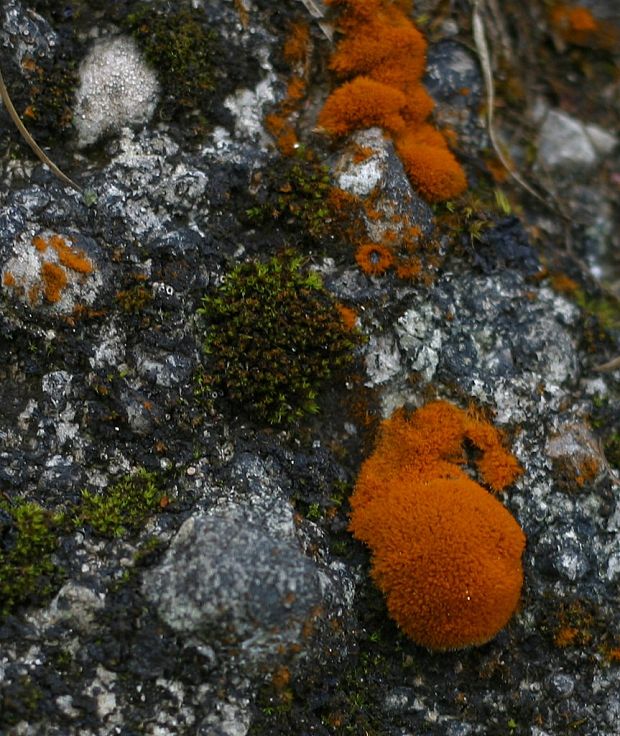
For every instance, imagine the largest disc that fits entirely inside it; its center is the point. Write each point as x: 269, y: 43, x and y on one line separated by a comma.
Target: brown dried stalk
x: 4, y: 95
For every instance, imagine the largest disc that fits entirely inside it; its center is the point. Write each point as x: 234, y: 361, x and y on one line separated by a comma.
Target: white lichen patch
x: 102, y: 690
x: 361, y: 177
x: 117, y: 88
x: 248, y: 106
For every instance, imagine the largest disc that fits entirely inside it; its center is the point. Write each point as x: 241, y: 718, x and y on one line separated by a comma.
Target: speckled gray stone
x: 568, y: 145
x: 226, y: 580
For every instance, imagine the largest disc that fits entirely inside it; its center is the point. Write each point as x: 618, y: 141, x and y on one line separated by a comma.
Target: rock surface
x: 235, y: 600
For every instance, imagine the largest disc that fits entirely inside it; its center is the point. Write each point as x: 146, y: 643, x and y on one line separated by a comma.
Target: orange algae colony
x: 383, y: 55
x: 53, y: 274
x: 445, y: 552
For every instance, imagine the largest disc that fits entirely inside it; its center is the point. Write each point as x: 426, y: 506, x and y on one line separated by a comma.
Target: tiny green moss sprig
x: 297, y: 193
x: 28, y: 539
x: 181, y: 48
x: 123, y: 507
x: 273, y: 337
x: 30, y: 534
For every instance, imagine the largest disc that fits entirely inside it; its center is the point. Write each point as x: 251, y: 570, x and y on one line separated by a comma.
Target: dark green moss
x: 124, y: 507
x: 605, y: 308
x: 181, y: 48
x: 49, y: 113
x: 29, y: 536
x: 19, y: 701
x: 273, y: 336
x: 298, y: 194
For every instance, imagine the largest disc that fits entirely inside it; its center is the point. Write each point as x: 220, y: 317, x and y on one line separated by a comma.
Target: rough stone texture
x: 226, y: 581
x: 381, y: 179
x: 243, y: 605
x: 451, y: 70
x: 567, y: 145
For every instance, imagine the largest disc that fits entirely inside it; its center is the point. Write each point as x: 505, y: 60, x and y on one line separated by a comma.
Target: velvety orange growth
x: 76, y: 260
x: 573, y: 19
x: 432, y: 169
x: 446, y: 552
x: 297, y: 43
x: 383, y: 39
x: 54, y: 279
x: 296, y: 89
x: 374, y: 258
x: 363, y: 103
x: 383, y: 55
x: 347, y: 315
x: 8, y: 279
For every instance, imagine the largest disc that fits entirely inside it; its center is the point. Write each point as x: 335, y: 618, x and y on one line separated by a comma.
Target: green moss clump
x: 274, y: 335
x: 298, y: 194
x: 182, y: 50
x: 123, y: 507
x: 606, y: 309
x: 28, y: 539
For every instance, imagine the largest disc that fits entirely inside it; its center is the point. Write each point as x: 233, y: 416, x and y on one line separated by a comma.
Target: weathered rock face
x: 238, y: 603
x: 236, y: 579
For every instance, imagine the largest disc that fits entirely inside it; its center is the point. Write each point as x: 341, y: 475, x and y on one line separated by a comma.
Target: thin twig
x: 317, y: 12
x: 485, y: 62
x: 609, y: 366
x: 4, y: 95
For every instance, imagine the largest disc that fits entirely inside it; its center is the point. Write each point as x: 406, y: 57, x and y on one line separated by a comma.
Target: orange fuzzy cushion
x: 446, y: 553
x: 362, y: 103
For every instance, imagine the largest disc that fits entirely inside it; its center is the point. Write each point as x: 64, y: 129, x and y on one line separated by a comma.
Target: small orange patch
x: 613, y: 655
x: 8, y: 279
x: 75, y: 260
x: 40, y: 243
x: 347, y: 315
x: 297, y: 43
x: 374, y: 259
x: 409, y: 269
x: 284, y: 133
x: 54, y: 279
x: 569, y: 19
x: 566, y: 636
x: 563, y: 283
x: 588, y: 470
